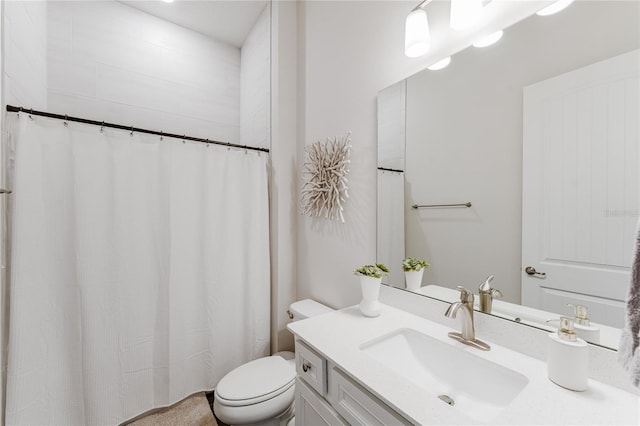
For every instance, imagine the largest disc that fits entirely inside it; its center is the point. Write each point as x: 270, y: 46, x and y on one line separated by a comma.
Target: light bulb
x: 442, y: 63
x: 489, y: 40
x: 465, y: 14
x: 416, y: 36
x: 554, y: 7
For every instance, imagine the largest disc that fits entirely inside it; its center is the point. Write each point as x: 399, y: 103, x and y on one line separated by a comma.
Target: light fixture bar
x: 422, y: 5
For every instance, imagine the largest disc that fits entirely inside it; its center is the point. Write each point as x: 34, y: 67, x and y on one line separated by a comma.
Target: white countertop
x: 338, y: 336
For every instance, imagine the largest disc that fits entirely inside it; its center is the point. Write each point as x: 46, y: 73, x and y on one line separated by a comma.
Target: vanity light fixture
x: 416, y: 32
x: 489, y: 40
x: 442, y: 63
x: 465, y: 14
x: 554, y: 7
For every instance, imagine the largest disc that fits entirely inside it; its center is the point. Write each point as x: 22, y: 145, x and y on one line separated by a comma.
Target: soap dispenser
x: 487, y: 294
x: 583, y: 326
x: 567, y: 357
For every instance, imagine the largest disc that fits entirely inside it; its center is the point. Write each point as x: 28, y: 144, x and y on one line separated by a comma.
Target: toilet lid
x: 257, y: 378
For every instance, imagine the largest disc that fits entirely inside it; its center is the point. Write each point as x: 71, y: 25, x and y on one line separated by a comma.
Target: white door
x: 581, y: 185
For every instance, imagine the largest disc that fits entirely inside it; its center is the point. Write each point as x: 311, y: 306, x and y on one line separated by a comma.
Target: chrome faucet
x: 465, y: 305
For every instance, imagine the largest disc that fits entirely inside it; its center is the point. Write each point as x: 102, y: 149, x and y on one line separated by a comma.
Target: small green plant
x: 411, y: 264
x: 375, y: 271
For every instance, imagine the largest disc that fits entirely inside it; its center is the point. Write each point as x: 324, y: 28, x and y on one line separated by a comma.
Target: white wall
x: 464, y: 140
x: 283, y: 195
x: 110, y: 62
x: 350, y: 51
x: 25, y: 54
x: 255, y: 84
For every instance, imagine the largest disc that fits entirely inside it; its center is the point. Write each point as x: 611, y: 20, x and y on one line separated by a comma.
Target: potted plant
x: 370, y: 279
x: 413, y: 270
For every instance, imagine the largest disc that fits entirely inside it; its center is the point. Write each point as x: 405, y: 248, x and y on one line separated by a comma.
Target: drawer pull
x: 306, y: 366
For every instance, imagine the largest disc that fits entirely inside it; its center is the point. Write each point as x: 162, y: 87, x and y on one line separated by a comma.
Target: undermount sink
x: 479, y: 388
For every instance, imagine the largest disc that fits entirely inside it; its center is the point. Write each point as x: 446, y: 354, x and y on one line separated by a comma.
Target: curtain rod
x: 11, y: 108
x: 385, y: 169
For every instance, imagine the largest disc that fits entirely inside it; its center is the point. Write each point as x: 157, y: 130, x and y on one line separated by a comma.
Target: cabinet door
x: 311, y: 409
x: 357, y: 405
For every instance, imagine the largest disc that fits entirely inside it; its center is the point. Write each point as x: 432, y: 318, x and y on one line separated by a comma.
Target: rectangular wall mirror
x: 540, y: 134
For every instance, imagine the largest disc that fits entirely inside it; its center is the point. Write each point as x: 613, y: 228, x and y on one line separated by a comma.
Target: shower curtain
x: 391, y: 224
x: 139, y: 270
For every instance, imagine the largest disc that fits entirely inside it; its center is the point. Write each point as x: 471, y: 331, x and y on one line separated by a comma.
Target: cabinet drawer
x: 311, y: 367
x: 358, y: 406
x: 311, y: 409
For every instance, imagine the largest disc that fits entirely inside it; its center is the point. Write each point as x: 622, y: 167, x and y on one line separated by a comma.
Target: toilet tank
x: 307, y: 308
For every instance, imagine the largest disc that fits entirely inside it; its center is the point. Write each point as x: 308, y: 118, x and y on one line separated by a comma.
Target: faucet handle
x: 465, y: 295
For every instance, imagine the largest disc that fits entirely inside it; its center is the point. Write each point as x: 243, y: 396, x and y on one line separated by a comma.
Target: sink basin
x: 479, y: 388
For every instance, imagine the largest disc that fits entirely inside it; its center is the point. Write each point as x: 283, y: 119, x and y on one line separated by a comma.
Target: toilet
x: 261, y: 392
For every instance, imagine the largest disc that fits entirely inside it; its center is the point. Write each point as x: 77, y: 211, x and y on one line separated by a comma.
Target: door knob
x: 532, y: 271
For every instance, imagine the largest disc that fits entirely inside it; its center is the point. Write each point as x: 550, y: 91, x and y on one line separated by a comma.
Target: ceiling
x: 226, y: 20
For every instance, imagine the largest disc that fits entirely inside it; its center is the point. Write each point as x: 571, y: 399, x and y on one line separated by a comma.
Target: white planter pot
x: 370, y: 306
x: 413, y: 279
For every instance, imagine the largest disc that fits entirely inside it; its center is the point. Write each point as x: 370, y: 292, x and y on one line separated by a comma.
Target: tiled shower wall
x: 25, y: 53
x: 255, y: 80
x: 108, y: 61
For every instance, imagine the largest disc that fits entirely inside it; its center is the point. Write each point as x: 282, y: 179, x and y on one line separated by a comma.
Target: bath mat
x: 192, y: 411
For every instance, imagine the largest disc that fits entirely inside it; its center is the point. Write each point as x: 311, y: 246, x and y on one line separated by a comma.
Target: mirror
x: 466, y: 134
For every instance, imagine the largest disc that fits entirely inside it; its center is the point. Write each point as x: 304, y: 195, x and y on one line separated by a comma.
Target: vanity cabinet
x: 325, y: 395
x: 312, y: 409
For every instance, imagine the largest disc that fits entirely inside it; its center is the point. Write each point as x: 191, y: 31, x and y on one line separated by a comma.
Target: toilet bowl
x: 261, y: 392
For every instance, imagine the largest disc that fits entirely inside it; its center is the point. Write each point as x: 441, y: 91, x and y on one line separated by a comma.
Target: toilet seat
x: 256, y: 400
x: 256, y: 381
x: 259, y: 390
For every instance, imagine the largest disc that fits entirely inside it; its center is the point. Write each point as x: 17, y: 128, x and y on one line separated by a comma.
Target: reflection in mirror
x: 391, y: 139
x: 601, y: 334
x: 540, y: 133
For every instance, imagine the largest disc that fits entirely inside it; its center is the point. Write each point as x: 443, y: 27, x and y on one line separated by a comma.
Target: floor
x: 210, y: 398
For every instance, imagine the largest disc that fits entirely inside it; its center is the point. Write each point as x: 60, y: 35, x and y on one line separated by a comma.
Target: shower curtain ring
x: 228, y: 146
x: 208, y: 143
x: 161, y: 136
x: 102, y: 127
x: 31, y: 112
x: 131, y: 133
x: 183, y: 141
x: 65, y: 120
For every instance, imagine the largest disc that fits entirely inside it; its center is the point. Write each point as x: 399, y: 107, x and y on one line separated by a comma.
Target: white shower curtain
x: 139, y: 270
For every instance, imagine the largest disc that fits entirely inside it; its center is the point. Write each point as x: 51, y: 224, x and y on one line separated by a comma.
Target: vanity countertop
x: 338, y: 336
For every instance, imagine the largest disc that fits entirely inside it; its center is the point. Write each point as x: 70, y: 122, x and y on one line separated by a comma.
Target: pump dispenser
x: 567, y: 357
x: 583, y: 326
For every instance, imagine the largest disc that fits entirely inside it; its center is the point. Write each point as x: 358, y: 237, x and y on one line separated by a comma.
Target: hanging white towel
x: 628, y: 353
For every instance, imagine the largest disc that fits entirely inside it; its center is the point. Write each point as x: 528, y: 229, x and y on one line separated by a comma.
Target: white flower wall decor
x: 325, y: 173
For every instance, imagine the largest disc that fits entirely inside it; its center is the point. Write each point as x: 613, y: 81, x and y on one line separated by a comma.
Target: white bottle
x: 567, y: 357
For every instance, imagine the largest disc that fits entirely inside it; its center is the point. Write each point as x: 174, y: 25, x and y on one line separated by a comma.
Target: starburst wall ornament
x: 325, y: 173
